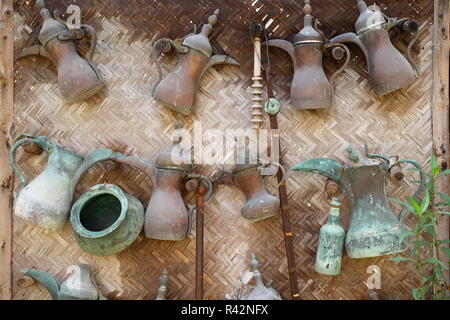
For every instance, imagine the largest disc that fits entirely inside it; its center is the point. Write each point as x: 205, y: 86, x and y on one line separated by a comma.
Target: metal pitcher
x: 78, y: 78
x: 178, y: 89
x: 388, y: 69
x: 79, y: 285
x: 374, y: 229
x: 46, y: 200
x: 310, y: 87
x: 260, y: 290
x: 106, y: 220
x: 167, y: 217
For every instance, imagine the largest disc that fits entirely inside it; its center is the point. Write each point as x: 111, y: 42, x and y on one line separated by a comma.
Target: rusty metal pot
x: 78, y: 78
x: 310, y: 87
x: 178, y: 89
x: 389, y: 70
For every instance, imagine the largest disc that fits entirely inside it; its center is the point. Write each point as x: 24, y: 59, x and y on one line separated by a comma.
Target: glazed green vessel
x: 374, y: 229
x: 331, y: 243
x: 106, y: 220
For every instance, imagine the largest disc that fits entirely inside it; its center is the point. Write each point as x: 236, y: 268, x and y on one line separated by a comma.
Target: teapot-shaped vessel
x: 178, y: 89
x: 106, y: 220
x: 310, y: 87
x: 388, y: 69
x: 79, y: 285
x: 46, y: 200
x: 167, y: 217
x: 78, y: 78
x: 374, y: 229
x: 260, y: 290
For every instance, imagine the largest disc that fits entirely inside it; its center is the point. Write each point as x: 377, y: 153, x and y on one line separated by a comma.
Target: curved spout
x: 220, y: 59
x: 352, y: 38
x: 326, y: 167
x: 45, y: 279
x: 283, y: 45
x: 148, y: 167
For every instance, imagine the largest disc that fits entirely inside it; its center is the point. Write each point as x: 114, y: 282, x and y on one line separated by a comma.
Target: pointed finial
x: 352, y: 154
x: 307, y: 9
x: 40, y: 4
x: 212, y: 20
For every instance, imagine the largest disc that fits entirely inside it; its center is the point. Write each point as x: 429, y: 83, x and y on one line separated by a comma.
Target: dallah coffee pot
x: 79, y: 285
x: 374, y: 229
x: 78, y: 78
x: 310, y: 87
x: 178, y: 89
x: 388, y: 69
x: 46, y: 200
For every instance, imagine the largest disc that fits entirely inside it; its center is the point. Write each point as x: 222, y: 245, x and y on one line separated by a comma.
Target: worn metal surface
x: 78, y: 78
x: 331, y: 243
x: 79, y: 284
x: 389, y: 70
x: 106, y: 220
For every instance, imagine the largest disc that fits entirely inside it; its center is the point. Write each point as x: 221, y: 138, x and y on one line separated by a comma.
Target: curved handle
x: 90, y: 55
x: 20, y: 140
x: 208, y: 197
x: 337, y: 56
x: 421, y: 185
x: 280, y: 168
x: 351, y: 37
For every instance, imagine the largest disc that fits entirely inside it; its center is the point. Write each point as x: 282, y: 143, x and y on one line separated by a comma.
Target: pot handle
x: 338, y: 55
x: 208, y: 197
x: 41, y: 141
x: 90, y: 55
x: 421, y: 186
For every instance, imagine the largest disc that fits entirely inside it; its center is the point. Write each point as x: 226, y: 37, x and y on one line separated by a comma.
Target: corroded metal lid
x: 51, y: 28
x: 369, y: 18
x: 174, y: 157
x: 308, y: 34
x: 200, y: 42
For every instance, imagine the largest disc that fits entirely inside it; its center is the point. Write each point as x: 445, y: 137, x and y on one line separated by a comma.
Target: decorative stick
x: 257, y: 86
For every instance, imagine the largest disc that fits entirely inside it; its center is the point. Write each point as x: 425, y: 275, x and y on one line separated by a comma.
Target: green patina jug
x: 374, y: 229
x: 106, y: 220
x: 46, y: 200
x: 331, y: 243
x: 79, y: 285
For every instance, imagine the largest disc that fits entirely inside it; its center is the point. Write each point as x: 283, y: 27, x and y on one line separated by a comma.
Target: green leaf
x: 445, y: 197
x: 434, y: 162
x: 430, y: 229
x: 407, y: 206
x: 445, y: 241
x: 444, y: 213
x: 417, y: 293
x: 404, y: 234
x: 425, y: 202
x: 443, y: 173
x: 446, y: 251
x: 415, y: 205
x: 396, y: 259
x: 436, y: 261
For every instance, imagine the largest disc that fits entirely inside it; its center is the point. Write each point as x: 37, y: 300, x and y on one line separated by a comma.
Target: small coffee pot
x: 79, y: 285
x: 46, y: 200
x: 106, y: 220
x: 178, y: 89
x: 78, y: 78
x: 388, y: 69
x: 310, y: 87
x: 374, y: 229
x: 260, y: 290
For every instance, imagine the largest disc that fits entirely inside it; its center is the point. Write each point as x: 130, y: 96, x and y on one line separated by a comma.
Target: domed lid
x: 174, y: 158
x: 369, y: 18
x: 308, y: 34
x: 200, y: 42
x: 51, y: 28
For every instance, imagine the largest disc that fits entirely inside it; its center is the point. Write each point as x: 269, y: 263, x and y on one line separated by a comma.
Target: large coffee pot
x: 78, y: 78
x: 178, y: 89
x: 388, y: 69
x: 46, y: 201
x: 310, y: 87
x: 374, y: 229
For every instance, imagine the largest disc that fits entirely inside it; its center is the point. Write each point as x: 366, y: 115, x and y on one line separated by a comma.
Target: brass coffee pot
x: 374, y: 229
x: 78, y: 78
x: 310, y: 87
x: 79, y: 285
x: 178, y: 89
x: 389, y: 70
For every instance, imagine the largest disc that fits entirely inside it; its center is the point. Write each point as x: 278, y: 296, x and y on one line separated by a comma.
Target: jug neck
x: 333, y: 214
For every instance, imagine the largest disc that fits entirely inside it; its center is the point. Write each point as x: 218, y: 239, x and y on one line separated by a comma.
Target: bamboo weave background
x: 125, y: 117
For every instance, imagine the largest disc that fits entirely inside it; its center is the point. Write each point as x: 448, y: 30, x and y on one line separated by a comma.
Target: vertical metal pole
x: 200, y: 201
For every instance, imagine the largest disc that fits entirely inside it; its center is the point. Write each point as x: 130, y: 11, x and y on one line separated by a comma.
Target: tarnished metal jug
x: 78, y: 78
x: 310, y: 87
x: 79, y: 285
x: 46, y: 200
x: 260, y: 290
x: 388, y: 69
x: 106, y: 220
x: 374, y: 229
x: 167, y: 217
x: 178, y: 89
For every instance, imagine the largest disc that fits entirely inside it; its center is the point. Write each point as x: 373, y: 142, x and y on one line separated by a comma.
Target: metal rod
x: 200, y: 202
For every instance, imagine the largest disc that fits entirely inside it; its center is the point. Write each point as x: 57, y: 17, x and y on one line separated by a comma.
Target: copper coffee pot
x: 389, y: 70
x: 310, y: 87
x: 78, y: 78
x: 178, y: 89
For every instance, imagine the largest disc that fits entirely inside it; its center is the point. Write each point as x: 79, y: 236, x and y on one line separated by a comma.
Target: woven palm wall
x: 125, y: 117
